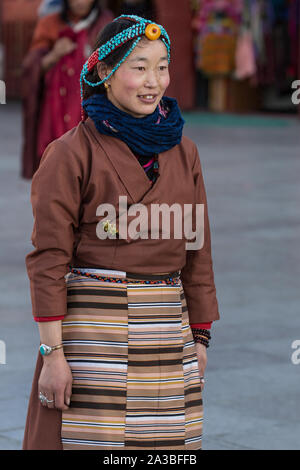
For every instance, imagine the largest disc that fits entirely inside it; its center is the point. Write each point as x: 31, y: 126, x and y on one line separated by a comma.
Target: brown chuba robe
x: 78, y: 172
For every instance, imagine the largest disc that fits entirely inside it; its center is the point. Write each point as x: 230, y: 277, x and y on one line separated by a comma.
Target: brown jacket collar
x: 126, y: 164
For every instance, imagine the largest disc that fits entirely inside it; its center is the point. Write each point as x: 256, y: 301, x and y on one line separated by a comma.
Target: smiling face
x: 139, y: 83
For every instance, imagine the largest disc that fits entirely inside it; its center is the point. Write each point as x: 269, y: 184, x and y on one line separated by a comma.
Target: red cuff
x: 41, y: 319
x: 204, y: 326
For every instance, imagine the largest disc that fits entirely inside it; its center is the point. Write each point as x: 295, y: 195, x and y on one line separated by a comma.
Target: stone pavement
x: 251, y: 168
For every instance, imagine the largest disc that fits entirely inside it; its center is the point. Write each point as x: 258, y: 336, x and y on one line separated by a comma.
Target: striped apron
x: 136, y: 382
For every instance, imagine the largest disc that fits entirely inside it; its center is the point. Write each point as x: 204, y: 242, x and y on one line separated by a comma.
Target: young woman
x: 120, y: 307
x: 61, y: 43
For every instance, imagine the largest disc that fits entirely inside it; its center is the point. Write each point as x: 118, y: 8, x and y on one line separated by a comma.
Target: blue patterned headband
x: 140, y: 28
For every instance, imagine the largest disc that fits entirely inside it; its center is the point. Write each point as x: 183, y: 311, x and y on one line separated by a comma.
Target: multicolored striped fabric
x: 136, y: 382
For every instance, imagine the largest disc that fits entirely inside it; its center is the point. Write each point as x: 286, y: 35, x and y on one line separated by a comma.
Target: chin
x: 139, y: 113
x: 141, y: 110
x: 147, y: 109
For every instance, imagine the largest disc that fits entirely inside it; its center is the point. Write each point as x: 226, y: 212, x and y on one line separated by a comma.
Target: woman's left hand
x: 202, y: 360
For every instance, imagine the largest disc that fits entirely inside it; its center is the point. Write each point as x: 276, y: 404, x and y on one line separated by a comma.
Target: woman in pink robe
x: 61, y: 44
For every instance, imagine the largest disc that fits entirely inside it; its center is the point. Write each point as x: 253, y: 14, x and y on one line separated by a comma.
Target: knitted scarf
x: 152, y: 134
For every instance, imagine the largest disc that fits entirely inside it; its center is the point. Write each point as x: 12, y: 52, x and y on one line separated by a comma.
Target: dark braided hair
x: 109, y: 31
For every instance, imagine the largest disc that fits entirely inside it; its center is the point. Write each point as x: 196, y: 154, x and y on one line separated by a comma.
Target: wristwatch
x: 45, y: 350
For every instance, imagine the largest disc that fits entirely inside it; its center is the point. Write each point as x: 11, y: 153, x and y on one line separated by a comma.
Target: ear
x: 103, y: 70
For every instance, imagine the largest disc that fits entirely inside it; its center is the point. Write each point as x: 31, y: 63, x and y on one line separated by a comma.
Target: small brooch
x: 108, y: 227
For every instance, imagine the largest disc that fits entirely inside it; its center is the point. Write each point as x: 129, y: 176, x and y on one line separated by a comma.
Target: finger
x: 59, y: 400
x: 202, y: 381
x: 69, y: 49
x: 68, y: 393
x: 50, y: 397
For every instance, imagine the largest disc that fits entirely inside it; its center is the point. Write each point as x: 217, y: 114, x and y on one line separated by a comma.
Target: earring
x: 106, y: 85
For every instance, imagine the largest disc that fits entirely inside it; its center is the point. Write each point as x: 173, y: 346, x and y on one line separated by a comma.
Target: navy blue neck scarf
x: 152, y: 134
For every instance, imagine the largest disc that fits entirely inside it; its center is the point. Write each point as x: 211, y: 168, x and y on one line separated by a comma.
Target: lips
x: 148, y: 98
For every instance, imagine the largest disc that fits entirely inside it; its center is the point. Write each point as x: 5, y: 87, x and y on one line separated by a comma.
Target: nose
x: 151, y: 79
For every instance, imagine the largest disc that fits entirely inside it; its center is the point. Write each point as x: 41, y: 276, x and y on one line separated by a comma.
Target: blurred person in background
x: 61, y: 44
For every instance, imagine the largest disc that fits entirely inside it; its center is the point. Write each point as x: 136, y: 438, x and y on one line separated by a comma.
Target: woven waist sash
x: 152, y: 276
x: 110, y: 273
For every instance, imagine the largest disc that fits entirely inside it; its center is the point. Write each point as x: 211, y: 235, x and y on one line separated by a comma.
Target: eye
x: 163, y: 67
x: 140, y: 68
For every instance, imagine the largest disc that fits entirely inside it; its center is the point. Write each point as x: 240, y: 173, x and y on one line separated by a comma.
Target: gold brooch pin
x: 108, y: 227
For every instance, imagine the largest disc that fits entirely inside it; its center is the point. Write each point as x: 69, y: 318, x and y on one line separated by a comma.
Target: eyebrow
x: 144, y: 59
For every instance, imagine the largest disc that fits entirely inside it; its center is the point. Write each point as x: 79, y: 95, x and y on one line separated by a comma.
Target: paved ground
x: 251, y: 168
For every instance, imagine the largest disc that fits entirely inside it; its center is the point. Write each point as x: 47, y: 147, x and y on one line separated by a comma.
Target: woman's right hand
x: 55, y: 381
x: 62, y: 47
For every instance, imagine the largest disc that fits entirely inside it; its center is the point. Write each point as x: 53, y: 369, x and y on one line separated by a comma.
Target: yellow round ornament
x: 152, y: 31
